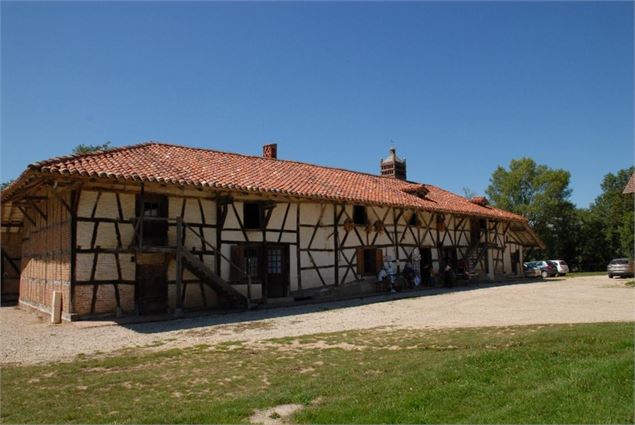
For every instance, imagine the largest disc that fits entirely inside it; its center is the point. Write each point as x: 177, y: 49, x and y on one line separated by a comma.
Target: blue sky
x: 459, y: 87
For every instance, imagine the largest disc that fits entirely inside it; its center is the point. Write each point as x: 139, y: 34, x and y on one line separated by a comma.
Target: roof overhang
x: 525, y: 235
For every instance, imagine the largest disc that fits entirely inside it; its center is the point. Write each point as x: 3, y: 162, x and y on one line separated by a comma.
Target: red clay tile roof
x: 630, y: 186
x: 186, y: 166
x: 479, y: 200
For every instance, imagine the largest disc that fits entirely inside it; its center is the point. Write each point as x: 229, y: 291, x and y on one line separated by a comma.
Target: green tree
x: 542, y: 195
x: 614, y: 210
x: 82, y: 149
x: 591, y: 252
x: 468, y: 193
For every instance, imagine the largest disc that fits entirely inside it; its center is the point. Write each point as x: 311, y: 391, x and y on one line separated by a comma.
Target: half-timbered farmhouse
x: 158, y: 227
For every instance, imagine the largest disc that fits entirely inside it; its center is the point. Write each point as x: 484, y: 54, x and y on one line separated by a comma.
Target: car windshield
x: 620, y: 261
x: 562, y: 263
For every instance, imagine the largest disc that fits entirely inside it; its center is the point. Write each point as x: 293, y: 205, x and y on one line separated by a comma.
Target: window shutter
x: 360, y: 261
x: 379, y: 260
x: 238, y: 260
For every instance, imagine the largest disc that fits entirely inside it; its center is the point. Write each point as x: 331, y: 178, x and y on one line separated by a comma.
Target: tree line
x: 587, y: 238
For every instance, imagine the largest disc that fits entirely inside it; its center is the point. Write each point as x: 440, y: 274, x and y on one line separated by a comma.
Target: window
x: 150, y: 209
x: 440, y: 222
x: 369, y: 261
x: 152, y: 206
x: 359, y: 215
x: 244, y: 259
x: 449, y: 256
x: 251, y: 262
x: 274, y: 260
x: 252, y: 214
x: 414, y: 219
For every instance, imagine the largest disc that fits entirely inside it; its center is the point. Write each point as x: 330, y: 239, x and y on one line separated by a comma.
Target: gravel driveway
x: 26, y: 339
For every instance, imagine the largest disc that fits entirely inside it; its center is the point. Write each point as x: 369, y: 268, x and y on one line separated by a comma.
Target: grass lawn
x: 523, y: 374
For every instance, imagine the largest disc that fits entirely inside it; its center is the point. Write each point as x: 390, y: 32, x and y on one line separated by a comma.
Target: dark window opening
x: 449, y: 256
x: 369, y: 261
x: 414, y: 220
x: 153, y: 232
x: 245, y: 261
x: 359, y: 215
x: 426, y: 264
x: 251, y: 263
x: 515, y: 259
x: 150, y: 209
x: 252, y: 214
x: 483, y: 224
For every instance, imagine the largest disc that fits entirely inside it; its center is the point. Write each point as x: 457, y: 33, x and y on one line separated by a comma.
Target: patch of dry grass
x: 539, y: 374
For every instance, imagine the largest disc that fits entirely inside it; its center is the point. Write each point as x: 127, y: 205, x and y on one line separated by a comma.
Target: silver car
x: 531, y: 270
x: 562, y: 266
x: 622, y: 267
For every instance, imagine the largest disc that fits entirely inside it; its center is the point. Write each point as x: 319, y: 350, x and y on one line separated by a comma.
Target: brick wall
x: 46, y: 255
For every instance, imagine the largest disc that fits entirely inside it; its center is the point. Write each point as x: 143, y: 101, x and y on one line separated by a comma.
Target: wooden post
x: 219, y: 225
x: 336, y: 245
x: 56, y: 307
x: 490, y: 259
x: 438, y: 243
x: 248, y: 281
x: 75, y: 194
x: 297, y: 245
x: 395, y: 220
x: 263, y: 265
x: 141, y: 215
x: 179, y: 265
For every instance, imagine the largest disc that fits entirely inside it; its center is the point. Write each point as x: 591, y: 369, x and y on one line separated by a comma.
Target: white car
x: 562, y: 266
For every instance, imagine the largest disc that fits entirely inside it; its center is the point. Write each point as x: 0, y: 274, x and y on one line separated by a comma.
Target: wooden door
x: 515, y: 260
x: 475, y: 230
x: 425, y: 264
x: 277, y: 270
x: 152, y: 287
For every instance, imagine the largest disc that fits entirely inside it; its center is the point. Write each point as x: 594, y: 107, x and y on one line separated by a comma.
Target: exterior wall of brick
x: 11, y: 242
x: 46, y: 254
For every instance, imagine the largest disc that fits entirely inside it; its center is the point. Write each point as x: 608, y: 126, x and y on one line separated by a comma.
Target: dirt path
x: 27, y: 340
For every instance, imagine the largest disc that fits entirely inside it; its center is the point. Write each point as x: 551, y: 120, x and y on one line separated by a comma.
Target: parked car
x: 561, y: 266
x: 546, y: 269
x: 530, y: 270
x: 622, y: 267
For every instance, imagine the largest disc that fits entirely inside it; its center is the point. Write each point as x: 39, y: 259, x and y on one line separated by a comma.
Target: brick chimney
x: 393, y: 166
x: 270, y: 151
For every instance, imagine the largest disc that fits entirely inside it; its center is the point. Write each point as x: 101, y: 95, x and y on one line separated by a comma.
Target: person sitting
x: 409, y: 276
